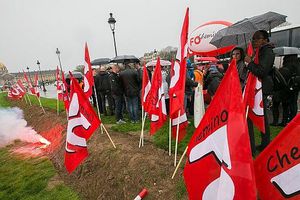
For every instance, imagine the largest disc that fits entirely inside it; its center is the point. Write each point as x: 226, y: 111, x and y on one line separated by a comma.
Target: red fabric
x: 28, y: 83
x: 156, y: 105
x: 250, y: 49
x: 219, y: 149
x: 146, y: 86
x: 276, y: 177
x: 254, y: 98
x: 82, y: 122
x: 17, y: 91
x: 88, y: 79
x: 66, y: 98
x: 59, y: 86
x: 183, y: 124
x: 178, y: 71
x: 36, y: 90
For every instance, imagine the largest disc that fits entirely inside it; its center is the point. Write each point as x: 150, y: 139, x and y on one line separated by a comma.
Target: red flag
x: 88, y: 79
x: 254, y: 98
x: 82, y: 122
x: 277, y: 168
x: 177, y: 84
x: 219, y: 162
x: 250, y: 49
x: 146, y: 85
x: 66, y: 97
x: 36, y: 82
x: 156, y: 100
x: 183, y: 124
x: 29, y: 84
x: 59, y: 85
x: 17, y: 91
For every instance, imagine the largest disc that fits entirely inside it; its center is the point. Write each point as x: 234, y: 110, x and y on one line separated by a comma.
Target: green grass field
x: 28, y: 178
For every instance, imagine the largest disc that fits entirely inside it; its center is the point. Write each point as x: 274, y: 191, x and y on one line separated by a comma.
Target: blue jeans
x: 119, y: 106
x: 132, y: 106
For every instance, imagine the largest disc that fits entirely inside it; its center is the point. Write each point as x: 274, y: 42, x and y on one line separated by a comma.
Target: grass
x: 47, y: 103
x: 27, y: 179
x: 3, y: 100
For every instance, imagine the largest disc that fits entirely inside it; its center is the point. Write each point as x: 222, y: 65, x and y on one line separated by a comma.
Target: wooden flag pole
x: 41, y: 104
x: 29, y: 99
x: 247, y: 110
x: 140, y: 142
x: 145, y: 116
x: 177, y: 133
x: 108, y: 135
x: 57, y: 104
x: 176, y: 169
x: 170, y: 135
x: 96, y: 97
x: 25, y: 99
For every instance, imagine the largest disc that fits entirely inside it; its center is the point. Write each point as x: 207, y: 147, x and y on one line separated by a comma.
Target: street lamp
x: 58, y: 55
x: 112, y: 23
x: 29, y: 76
x: 43, y: 84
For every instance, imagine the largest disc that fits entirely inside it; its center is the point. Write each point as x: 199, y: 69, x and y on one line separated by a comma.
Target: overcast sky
x: 33, y: 29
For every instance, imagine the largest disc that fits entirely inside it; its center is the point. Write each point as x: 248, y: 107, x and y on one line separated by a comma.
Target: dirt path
x: 110, y: 173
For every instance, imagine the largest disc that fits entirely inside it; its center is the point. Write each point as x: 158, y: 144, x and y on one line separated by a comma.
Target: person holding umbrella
x: 262, y: 70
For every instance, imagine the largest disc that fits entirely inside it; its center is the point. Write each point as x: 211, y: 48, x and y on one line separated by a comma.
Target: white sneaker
x: 122, y: 121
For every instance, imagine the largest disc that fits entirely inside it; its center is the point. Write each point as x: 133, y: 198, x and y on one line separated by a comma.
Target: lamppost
x: 29, y: 76
x: 112, y: 23
x: 58, y: 55
x: 43, y: 84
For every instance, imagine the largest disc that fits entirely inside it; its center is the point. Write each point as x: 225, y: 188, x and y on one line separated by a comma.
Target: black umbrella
x: 77, y: 75
x: 125, y: 59
x: 100, y: 61
x: 241, y: 32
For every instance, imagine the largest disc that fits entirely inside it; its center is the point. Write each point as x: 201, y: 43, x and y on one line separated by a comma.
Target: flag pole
x: 141, y: 143
x: 145, y: 116
x: 142, y: 130
x: 25, y: 100
x: 28, y: 99
x: 96, y: 97
x: 41, y: 104
x: 57, y: 104
x: 176, y: 144
x: 176, y: 169
x: 108, y: 135
x: 170, y: 142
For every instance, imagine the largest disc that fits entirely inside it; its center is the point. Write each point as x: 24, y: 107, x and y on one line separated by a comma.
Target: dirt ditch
x: 108, y: 173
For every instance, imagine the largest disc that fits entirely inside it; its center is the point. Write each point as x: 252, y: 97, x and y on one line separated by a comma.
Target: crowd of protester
x: 120, y: 87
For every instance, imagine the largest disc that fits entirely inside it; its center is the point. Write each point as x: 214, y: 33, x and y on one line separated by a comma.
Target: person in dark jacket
x: 104, y: 90
x: 189, y: 86
x: 117, y: 92
x: 131, y: 84
x: 291, y: 65
x: 212, y: 80
x: 262, y: 70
